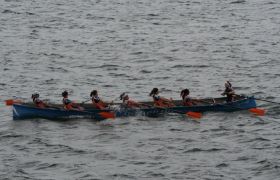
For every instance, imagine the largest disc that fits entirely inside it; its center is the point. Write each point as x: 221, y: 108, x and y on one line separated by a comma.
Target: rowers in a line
x: 159, y: 101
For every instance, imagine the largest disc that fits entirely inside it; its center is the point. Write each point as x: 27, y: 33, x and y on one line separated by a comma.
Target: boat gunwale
x: 56, y: 107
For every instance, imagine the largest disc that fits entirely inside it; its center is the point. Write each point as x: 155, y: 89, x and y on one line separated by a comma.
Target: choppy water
x: 133, y: 46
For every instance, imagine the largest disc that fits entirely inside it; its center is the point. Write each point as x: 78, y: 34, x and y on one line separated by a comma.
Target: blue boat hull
x: 24, y: 111
x: 27, y: 111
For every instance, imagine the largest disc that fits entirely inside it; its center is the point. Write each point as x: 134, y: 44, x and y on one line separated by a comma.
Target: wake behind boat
x: 56, y: 111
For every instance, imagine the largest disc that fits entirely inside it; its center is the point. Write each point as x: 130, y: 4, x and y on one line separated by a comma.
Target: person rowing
x: 187, y: 100
x: 160, y: 101
x: 68, y: 104
x: 229, y: 92
x: 130, y: 103
x: 38, y: 103
x: 96, y: 101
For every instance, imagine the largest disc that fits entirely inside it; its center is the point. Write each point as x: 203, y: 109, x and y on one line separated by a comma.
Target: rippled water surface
x: 133, y: 46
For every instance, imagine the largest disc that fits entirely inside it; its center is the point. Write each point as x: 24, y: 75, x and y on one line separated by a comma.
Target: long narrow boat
x: 28, y: 110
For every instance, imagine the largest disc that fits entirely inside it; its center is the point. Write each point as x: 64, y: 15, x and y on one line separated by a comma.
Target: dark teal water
x: 133, y: 46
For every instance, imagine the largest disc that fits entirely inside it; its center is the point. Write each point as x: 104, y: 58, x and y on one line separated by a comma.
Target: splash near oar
x: 257, y: 111
x: 107, y: 115
x: 10, y: 102
x: 195, y: 115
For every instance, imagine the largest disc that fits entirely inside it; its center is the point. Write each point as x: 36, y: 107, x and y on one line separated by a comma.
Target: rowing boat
x: 56, y: 111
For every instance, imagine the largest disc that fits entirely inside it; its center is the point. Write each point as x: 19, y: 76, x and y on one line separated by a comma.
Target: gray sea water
x: 133, y: 46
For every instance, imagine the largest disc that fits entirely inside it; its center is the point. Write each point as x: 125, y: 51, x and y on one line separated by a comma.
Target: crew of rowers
x: 158, y: 100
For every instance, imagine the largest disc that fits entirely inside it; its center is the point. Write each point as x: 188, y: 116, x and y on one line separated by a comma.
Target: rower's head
x: 64, y: 94
x: 185, y: 92
x: 124, y: 96
x: 155, y: 91
x: 93, y: 93
x: 228, y: 84
x: 35, y: 95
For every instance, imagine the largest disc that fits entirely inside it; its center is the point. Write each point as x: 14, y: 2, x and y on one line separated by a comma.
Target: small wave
x: 40, y: 27
x: 260, y: 139
x: 152, y: 14
x: 108, y: 66
x: 88, y: 176
x: 164, y: 78
x: 154, y: 174
x: 21, y: 171
x: 134, y: 78
x: 147, y: 60
x: 104, y: 156
x: 242, y: 158
x: 118, y: 75
x: 46, y: 166
x: 20, y: 148
x: 174, y: 129
x: 6, y: 11
x: 108, y: 85
x: 190, y: 66
x: 138, y: 162
x: 53, y: 55
x: 263, y: 51
x: 57, y: 148
x: 174, y: 50
x: 266, y: 165
x: 11, y: 136
x: 222, y: 165
x: 156, y: 23
x: 137, y: 53
x: 145, y: 71
x: 122, y: 176
x: 58, y: 69
x: 203, y: 150
x: 30, y: 164
x: 218, y: 129
x: 29, y: 13
x: 238, y: 2
x: 51, y: 81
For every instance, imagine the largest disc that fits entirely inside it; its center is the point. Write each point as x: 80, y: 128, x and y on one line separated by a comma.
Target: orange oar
x: 10, y: 102
x: 257, y: 111
x: 195, y: 115
x: 107, y: 115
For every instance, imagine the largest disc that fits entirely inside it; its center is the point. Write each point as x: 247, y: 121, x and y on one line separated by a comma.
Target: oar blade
x: 10, y: 102
x: 257, y: 111
x: 107, y: 115
x: 195, y: 115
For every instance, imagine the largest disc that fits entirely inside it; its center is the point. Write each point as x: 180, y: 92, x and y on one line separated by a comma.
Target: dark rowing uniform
x: 229, y: 92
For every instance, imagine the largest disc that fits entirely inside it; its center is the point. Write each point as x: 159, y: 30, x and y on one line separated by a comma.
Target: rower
x: 38, y: 103
x: 229, y: 92
x: 160, y: 101
x: 129, y: 103
x: 96, y: 101
x: 187, y: 100
x: 68, y: 104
